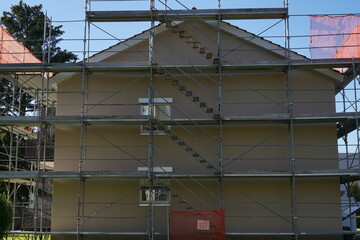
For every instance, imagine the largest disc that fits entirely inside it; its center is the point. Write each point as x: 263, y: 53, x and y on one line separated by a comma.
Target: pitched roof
x: 12, y: 51
x: 246, y: 36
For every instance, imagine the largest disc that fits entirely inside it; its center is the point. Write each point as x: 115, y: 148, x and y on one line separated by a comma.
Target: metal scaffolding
x: 202, y: 138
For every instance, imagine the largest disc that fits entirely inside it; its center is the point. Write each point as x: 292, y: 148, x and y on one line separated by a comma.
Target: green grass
x: 24, y: 237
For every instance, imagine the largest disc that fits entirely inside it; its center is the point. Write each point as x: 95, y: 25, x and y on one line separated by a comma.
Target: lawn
x: 26, y: 237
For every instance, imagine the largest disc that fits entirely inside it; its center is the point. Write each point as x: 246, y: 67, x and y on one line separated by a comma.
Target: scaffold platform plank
x: 144, y: 234
x: 181, y: 15
x: 140, y: 68
x: 140, y: 120
x: 342, y: 173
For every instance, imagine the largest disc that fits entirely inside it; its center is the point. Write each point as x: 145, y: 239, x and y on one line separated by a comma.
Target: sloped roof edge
x: 126, y: 44
x: 113, y: 50
x: 225, y: 26
x: 16, y: 42
x: 273, y: 47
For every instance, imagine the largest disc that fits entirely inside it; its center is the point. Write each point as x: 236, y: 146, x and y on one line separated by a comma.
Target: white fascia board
x: 30, y: 83
x: 156, y: 169
x: 156, y: 100
x: 59, y: 77
x: 332, y: 74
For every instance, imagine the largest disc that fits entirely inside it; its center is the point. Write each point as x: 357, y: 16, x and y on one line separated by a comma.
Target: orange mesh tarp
x: 11, y: 51
x: 335, y: 37
x: 351, y: 47
x: 199, y: 225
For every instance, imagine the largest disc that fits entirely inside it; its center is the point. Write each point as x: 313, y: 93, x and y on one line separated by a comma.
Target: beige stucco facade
x: 252, y: 204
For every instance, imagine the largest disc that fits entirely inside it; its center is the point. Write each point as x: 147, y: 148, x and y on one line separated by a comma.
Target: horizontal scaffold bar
x: 139, y: 68
x: 141, y: 120
x: 348, y: 126
x: 76, y: 233
x: 329, y: 233
x: 193, y: 14
x: 342, y: 173
x: 349, y: 75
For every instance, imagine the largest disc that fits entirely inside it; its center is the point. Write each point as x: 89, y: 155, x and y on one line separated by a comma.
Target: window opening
x: 160, y: 193
x: 161, y: 110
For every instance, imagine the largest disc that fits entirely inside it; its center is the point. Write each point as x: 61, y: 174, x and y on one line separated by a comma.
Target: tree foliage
x: 26, y: 24
x: 354, y: 191
x: 12, y: 102
x: 11, y: 99
x: 5, y: 215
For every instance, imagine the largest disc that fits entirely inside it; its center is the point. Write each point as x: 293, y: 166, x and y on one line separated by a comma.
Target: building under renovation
x: 192, y: 129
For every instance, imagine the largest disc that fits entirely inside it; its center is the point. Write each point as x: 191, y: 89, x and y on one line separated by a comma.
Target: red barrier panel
x: 199, y: 225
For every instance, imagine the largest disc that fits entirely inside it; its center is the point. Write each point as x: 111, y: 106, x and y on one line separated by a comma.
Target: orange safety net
x: 199, y: 225
x: 335, y: 37
x: 351, y: 46
x: 11, y: 51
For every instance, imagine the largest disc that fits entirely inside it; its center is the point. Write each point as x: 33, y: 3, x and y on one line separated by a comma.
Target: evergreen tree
x: 354, y: 191
x: 26, y: 24
x: 5, y: 216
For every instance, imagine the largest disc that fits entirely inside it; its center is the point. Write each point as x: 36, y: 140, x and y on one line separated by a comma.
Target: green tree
x: 354, y: 191
x: 9, y: 104
x: 26, y: 24
x: 10, y: 101
x: 5, y: 215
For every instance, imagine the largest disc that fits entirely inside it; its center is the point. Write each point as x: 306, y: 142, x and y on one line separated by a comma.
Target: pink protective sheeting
x: 335, y: 37
x: 11, y: 51
x: 351, y: 46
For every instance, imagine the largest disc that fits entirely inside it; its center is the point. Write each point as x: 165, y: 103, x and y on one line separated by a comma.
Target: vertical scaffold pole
x: 11, y: 145
x: 292, y: 163
x: 356, y: 113
x: 357, y: 131
x: 15, y: 184
x: 44, y: 136
x: 220, y: 87
x: 346, y: 143
x: 81, y: 181
x: 16, y: 82
x: 48, y: 61
x: 151, y: 116
x: 41, y: 130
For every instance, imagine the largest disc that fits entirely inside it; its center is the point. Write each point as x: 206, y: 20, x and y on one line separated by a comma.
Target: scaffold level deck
x: 342, y: 173
x: 69, y: 233
x: 139, y: 120
x: 143, y: 67
x: 193, y: 14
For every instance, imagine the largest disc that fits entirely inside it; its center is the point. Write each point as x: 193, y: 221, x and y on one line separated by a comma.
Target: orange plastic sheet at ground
x: 11, y: 51
x: 199, y: 225
x: 335, y: 36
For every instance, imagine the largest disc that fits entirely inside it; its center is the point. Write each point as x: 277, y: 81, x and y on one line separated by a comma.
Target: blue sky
x: 69, y: 10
